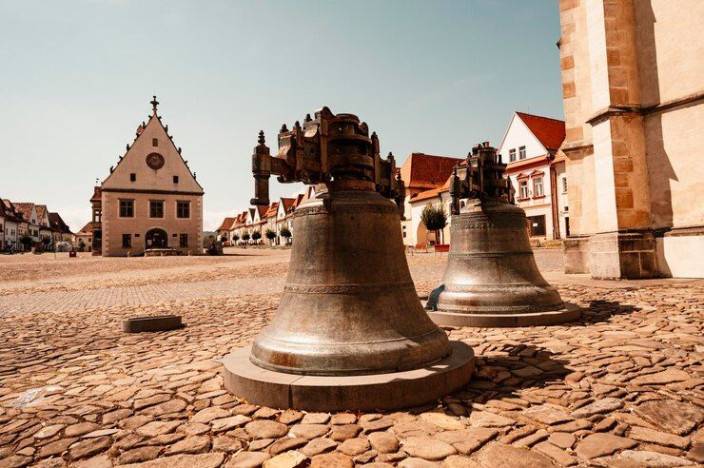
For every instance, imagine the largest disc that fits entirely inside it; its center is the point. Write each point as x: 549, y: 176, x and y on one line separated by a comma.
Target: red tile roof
x: 11, y: 212
x: 289, y: 204
x: 425, y: 171
x: 273, y: 210
x: 550, y: 132
x: 97, y: 192
x: 42, y: 211
x: 226, y: 224
x: 241, y: 219
x: 25, y: 209
x: 88, y: 228
x: 432, y: 193
x: 58, y: 224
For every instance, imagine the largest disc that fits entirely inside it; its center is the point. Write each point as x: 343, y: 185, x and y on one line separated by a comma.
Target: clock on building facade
x: 155, y: 161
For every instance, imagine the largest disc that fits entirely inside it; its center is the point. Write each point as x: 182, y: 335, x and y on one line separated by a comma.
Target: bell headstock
x: 336, y: 150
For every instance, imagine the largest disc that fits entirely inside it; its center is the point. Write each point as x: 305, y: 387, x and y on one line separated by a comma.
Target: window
x: 521, y: 152
x: 512, y: 155
x: 536, y: 225
x: 564, y: 185
x: 127, y: 241
x: 523, y: 189
x: 183, y: 240
x: 155, y: 142
x: 183, y: 209
x: 175, y: 179
x: 133, y: 177
x: 156, y: 208
x: 126, y: 208
x: 538, y: 187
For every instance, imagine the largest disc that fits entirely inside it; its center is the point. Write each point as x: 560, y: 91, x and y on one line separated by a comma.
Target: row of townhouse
x: 277, y: 218
x: 24, y: 224
x: 535, y: 167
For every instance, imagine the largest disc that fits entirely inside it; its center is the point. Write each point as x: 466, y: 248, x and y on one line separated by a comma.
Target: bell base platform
x: 569, y: 313
x: 359, y: 392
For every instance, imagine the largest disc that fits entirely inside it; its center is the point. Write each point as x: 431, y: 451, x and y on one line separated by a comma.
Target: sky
x: 76, y: 78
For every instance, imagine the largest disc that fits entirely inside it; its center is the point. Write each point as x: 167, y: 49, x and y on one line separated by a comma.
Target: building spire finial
x: 154, y: 104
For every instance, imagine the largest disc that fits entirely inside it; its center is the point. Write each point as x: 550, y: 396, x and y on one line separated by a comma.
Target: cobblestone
x: 624, y: 386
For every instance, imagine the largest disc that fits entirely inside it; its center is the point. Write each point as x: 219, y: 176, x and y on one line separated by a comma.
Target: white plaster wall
x: 676, y: 256
x: 11, y: 233
x: 518, y: 135
x: 416, y: 211
x: 417, y: 208
x: 410, y: 239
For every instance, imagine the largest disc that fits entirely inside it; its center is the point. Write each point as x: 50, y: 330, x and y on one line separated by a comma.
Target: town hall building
x: 150, y: 202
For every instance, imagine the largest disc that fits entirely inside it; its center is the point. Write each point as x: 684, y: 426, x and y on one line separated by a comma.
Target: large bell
x: 491, y: 279
x: 349, y: 305
x: 350, y: 332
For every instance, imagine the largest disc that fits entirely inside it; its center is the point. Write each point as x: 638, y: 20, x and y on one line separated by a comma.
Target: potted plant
x: 286, y: 234
x: 435, y: 220
x: 271, y: 235
x: 256, y: 235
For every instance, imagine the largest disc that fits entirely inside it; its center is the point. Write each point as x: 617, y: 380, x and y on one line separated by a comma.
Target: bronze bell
x: 491, y: 279
x: 350, y: 332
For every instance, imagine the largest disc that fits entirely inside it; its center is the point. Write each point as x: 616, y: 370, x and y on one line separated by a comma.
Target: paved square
x: 622, y: 387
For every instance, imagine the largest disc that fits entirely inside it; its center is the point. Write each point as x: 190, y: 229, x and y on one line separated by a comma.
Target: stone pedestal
x: 576, y: 254
x: 386, y: 391
x: 623, y: 255
x: 614, y: 255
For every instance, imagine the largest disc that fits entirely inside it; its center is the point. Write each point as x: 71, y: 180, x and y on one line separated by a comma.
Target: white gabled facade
x: 537, y: 172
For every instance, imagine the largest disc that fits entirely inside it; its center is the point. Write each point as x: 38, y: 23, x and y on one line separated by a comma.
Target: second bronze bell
x: 491, y: 279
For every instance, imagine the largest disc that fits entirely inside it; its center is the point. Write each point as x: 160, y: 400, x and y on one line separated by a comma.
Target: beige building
x: 634, y: 113
x: 151, y: 200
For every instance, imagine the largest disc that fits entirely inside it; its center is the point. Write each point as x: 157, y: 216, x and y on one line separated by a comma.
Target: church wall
x: 670, y: 46
x: 632, y: 81
x: 575, y: 65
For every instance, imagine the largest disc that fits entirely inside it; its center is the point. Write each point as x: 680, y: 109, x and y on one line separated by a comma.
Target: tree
x: 235, y: 237
x: 434, y: 219
x: 286, y: 233
x: 245, y: 236
x: 256, y: 235
x: 271, y: 235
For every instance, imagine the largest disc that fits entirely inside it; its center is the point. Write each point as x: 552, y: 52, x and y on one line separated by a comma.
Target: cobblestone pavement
x: 622, y: 387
